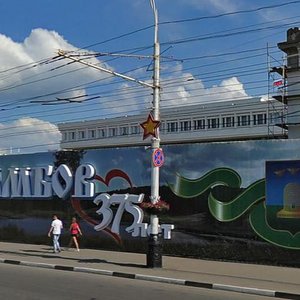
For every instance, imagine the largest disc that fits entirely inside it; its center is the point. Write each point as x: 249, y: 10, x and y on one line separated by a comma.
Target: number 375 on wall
x: 128, y: 203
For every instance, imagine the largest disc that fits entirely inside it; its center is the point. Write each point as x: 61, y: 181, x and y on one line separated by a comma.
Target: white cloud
x: 31, y: 81
x: 23, y: 79
x: 181, y: 88
x: 185, y: 89
x: 28, y: 135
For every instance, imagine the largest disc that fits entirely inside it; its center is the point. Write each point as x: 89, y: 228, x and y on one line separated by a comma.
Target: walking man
x: 55, y: 229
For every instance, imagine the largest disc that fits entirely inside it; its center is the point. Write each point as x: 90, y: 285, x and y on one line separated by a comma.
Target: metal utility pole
x: 154, y: 253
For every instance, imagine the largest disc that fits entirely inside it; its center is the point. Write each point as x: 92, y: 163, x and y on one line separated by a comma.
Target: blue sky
x: 31, y: 32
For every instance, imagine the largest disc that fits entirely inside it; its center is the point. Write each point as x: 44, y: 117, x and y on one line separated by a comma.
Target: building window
x: 135, y: 129
x: 213, y: 123
x: 185, y: 125
x: 228, y: 122
x: 81, y: 134
x: 199, y: 124
x: 259, y: 119
x: 92, y: 133
x: 172, y: 127
x: 112, y: 131
x: 243, y: 120
x: 72, y: 136
x: 124, y: 130
x: 101, y: 133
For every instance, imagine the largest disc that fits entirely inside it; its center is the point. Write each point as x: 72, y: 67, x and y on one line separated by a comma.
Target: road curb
x: 206, y: 285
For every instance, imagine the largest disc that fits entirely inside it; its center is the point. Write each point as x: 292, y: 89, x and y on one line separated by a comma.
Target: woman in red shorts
x: 75, y: 231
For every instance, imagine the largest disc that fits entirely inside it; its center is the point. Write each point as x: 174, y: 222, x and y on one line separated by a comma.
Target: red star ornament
x: 150, y: 127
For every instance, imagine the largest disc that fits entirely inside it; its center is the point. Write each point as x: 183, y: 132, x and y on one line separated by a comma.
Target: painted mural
x: 230, y: 201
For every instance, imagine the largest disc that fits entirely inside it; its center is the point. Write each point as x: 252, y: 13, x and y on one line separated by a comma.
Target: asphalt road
x: 22, y: 282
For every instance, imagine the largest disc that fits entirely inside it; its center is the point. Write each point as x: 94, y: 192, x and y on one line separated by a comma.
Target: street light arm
x: 128, y: 78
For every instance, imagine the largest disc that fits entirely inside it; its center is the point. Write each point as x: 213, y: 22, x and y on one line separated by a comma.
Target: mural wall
x: 233, y: 201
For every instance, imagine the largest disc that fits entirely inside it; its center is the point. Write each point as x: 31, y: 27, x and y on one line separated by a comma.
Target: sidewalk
x: 271, y: 281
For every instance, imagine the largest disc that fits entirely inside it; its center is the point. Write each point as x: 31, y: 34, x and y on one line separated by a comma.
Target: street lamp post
x: 154, y: 253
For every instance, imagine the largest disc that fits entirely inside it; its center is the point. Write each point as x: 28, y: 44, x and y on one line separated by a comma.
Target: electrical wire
x: 223, y: 35
x: 230, y: 13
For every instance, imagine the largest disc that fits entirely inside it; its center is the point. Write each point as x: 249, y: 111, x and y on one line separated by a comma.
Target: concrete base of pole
x: 154, y: 254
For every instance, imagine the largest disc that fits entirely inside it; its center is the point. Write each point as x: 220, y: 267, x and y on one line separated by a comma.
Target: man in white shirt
x: 55, y: 229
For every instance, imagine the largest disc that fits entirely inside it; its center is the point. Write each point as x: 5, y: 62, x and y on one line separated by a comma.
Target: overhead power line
x: 117, y: 37
x: 226, y: 54
x: 190, y: 20
x: 230, y: 13
x: 91, y: 83
x: 223, y: 35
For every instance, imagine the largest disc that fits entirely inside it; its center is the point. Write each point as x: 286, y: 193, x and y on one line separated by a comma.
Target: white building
x: 244, y: 119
